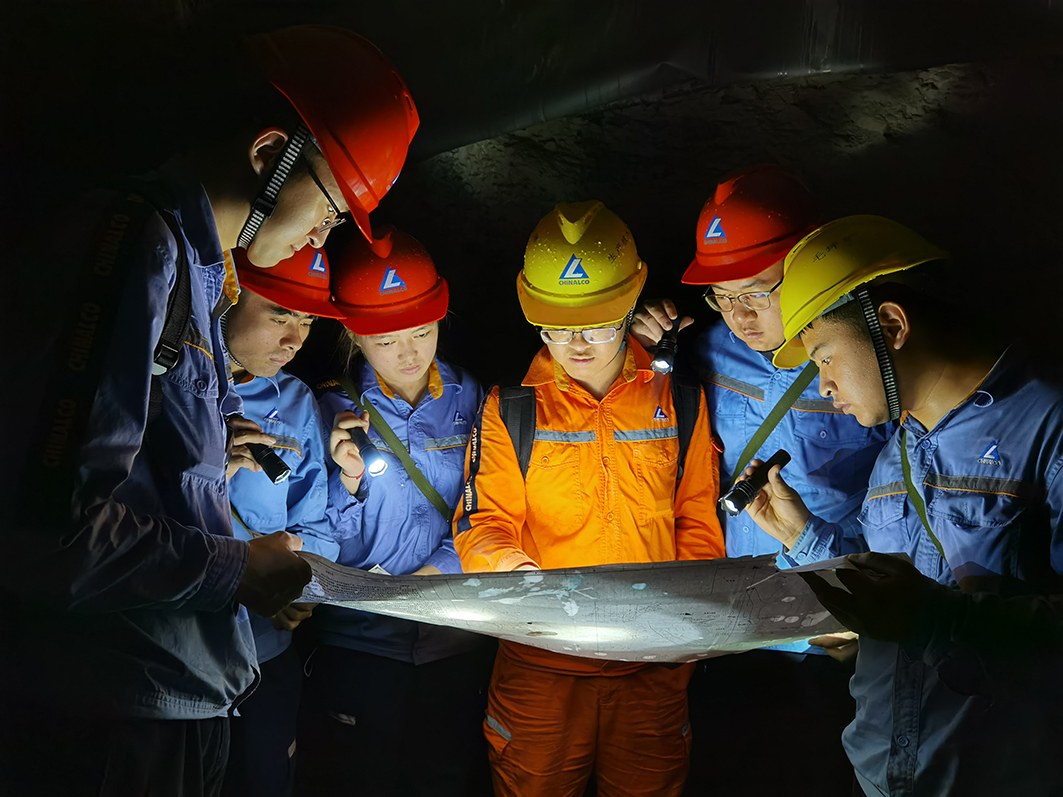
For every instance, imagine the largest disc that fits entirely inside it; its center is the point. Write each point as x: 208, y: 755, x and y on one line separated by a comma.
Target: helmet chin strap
x: 223, y: 322
x: 266, y: 202
x: 885, y: 364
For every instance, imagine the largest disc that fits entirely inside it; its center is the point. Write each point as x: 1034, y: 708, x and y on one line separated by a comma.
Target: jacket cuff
x: 225, y: 570
x: 813, y: 544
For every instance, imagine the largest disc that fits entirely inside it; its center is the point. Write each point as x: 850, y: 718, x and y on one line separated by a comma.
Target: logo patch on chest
x: 991, y: 456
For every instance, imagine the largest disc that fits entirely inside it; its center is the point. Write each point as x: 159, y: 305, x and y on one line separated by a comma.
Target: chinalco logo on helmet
x: 392, y: 283
x: 573, y: 273
x: 318, y: 267
x: 714, y: 233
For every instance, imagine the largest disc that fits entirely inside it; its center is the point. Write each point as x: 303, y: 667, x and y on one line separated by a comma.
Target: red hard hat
x: 352, y: 100
x: 387, y: 285
x: 752, y: 221
x: 300, y: 283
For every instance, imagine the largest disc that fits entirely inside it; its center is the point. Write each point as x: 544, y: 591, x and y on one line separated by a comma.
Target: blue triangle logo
x: 714, y: 234
x: 573, y: 270
x: 317, y: 265
x: 392, y: 282
x: 272, y: 415
x: 659, y: 414
x: 459, y: 419
x: 991, y: 455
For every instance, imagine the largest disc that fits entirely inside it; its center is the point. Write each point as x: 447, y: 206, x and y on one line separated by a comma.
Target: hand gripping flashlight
x: 375, y: 464
x: 271, y: 463
x: 664, y: 354
x: 738, y: 497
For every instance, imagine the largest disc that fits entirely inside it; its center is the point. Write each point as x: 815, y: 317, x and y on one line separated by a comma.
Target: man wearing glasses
x: 603, y: 486
x: 126, y: 643
x: 745, y: 229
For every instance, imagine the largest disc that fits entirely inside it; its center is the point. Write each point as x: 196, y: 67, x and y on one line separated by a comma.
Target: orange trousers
x: 547, y: 732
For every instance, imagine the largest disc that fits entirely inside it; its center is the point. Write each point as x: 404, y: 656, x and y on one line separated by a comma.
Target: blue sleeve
x: 821, y: 540
x: 344, y: 511
x: 308, y: 490
x: 445, y: 557
x: 118, y: 548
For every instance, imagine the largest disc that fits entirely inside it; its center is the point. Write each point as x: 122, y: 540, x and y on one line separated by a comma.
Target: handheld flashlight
x: 374, y: 461
x: 273, y: 466
x: 664, y: 354
x: 738, y: 497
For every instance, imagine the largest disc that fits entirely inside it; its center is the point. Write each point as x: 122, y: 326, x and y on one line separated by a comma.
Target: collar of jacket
x: 437, y: 380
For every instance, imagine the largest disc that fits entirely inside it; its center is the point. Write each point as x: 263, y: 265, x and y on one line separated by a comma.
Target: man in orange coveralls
x: 603, y: 487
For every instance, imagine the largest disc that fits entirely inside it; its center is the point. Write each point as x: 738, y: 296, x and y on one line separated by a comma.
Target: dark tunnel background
x: 947, y: 116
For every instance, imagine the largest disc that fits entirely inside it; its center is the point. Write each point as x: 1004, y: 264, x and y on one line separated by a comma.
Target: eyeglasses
x: 757, y: 300
x: 592, y: 335
x: 335, y: 218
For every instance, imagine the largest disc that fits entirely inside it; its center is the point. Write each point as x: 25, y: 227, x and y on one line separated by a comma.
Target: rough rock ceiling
x: 946, y: 115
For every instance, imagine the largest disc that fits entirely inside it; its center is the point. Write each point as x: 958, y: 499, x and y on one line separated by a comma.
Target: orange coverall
x: 601, y: 489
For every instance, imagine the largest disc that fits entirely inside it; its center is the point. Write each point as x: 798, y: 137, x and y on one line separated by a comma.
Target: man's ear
x: 266, y: 148
x: 895, y: 323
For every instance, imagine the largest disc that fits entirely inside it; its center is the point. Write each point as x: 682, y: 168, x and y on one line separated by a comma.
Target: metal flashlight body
x: 375, y: 464
x: 741, y: 493
x: 664, y: 354
x: 272, y: 465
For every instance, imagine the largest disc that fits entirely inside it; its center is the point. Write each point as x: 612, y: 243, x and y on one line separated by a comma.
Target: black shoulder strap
x: 178, y: 306
x: 686, y: 395
x: 517, y: 408
x: 175, y: 328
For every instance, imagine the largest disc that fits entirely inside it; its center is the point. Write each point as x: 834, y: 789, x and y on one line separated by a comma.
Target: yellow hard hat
x: 833, y: 260
x: 580, y: 269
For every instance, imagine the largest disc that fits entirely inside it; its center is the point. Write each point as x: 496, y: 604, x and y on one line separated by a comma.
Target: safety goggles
x: 594, y: 335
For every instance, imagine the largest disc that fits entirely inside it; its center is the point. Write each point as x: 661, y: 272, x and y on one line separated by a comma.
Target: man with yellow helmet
x: 969, y: 488
x: 603, y: 485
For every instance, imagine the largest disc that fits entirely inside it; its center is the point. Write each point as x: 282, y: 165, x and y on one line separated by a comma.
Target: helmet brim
x: 790, y: 355
x: 363, y: 320
x: 713, y: 269
x: 608, y: 307
x: 295, y: 299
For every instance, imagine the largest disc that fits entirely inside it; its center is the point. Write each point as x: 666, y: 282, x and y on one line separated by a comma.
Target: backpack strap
x: 175, y: 328
x: 686, y: 396
x: 516, y: 405
x: 178, y: 306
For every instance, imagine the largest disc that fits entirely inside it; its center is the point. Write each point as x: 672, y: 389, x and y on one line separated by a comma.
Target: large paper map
x: 665, y: 612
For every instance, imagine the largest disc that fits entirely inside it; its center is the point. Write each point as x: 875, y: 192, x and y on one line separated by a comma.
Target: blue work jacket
x: 989, y: 474
x: 391, y: 523
x: 126, y: 601
x: 831, y: 454
x: 285, y: 408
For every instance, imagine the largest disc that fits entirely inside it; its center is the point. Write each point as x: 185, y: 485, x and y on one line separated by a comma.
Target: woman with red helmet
x: 381, y: 689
